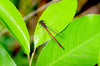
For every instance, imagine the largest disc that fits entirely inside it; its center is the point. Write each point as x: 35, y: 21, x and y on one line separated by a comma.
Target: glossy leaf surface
x: 12, y: 19
x: 5, y: 59
x: 57, y: 16
x: 81, y: 41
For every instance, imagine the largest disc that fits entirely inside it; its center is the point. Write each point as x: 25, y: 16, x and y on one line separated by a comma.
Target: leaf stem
x: 32, y: 57
x: 29, y: 59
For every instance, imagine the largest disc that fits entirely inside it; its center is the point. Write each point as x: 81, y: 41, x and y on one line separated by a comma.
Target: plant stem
x: 39, y: 9
x: 32, y: 57
x: 29, y: 60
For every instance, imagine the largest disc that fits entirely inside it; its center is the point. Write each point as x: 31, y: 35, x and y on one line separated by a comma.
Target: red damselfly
x: 44, y: 25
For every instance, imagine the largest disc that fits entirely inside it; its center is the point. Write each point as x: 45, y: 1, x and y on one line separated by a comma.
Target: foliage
x: 5, y: 58
x: 81, y: 41
x: 80, y: 37
x: 59, y: 14
x: 12, y: 19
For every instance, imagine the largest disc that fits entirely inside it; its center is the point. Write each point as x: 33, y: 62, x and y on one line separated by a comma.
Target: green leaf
x: 99, y: 58
x: 57, y: 16
x: 81, y: 40
x: 12, y: 19
x: 5, y: 59
x: 15, y: 2
x: 1, y: 28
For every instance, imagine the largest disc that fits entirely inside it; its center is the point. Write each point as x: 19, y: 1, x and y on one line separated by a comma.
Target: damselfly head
x: 41, y: 22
